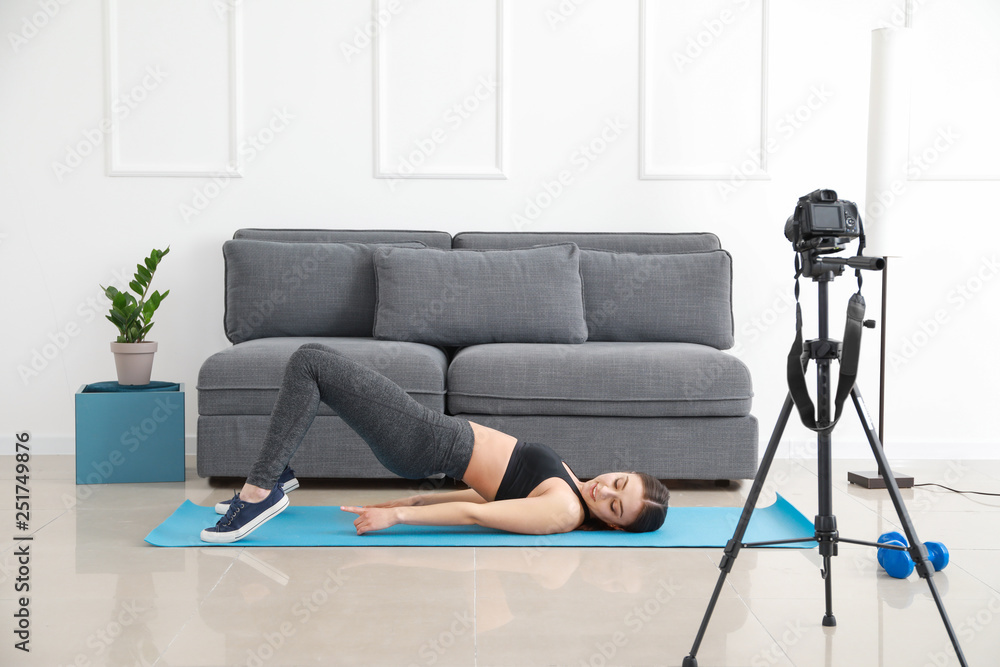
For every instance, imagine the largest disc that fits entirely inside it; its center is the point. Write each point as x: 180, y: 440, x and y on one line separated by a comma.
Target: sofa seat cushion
x: 599, y: 379
x: 244, y: 379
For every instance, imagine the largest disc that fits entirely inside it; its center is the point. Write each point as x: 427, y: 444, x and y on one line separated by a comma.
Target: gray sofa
x: 606, y: 346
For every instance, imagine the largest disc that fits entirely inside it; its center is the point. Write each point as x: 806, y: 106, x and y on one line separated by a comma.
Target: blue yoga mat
x: 332, y: 527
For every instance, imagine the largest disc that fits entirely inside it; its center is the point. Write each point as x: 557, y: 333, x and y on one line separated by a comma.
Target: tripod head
x: 819, y: 266
x: 821, y: 226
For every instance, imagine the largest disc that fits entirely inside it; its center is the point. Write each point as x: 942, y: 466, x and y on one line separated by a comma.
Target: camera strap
x: 799, y: 355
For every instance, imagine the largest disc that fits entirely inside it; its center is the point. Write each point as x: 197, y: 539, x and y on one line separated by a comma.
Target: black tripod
x: 823, y: 350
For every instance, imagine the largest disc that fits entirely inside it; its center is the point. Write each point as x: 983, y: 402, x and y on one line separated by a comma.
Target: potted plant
x: 133, y: 316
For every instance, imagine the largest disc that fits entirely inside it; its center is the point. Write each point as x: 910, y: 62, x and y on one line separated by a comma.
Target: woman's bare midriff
x: 490, y: 456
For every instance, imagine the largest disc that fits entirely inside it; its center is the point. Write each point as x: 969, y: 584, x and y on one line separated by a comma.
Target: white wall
x: 283, y: 92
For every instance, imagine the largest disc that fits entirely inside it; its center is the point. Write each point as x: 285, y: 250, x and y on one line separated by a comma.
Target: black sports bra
x: 530, y: 465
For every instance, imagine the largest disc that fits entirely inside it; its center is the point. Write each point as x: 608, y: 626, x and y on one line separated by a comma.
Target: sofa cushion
x: 683, y: 298
x: 599, y: 379
x: 468, y: 297
x: 244, y: 379
x: 299, y: 289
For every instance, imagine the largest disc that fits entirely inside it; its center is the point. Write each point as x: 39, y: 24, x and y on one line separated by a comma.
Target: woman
x: 514, y: 486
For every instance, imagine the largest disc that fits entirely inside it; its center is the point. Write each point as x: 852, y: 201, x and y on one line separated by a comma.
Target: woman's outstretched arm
x: 422, y: 499
x: 541, y: 515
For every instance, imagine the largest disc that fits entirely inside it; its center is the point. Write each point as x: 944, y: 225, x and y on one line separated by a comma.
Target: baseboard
x: 895, y: 451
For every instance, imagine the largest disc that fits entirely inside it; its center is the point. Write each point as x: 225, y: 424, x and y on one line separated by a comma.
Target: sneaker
x: 287, y: 482
x: 242, y: 518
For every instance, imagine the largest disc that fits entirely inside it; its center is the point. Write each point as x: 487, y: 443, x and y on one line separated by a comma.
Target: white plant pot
x: 134, y: 361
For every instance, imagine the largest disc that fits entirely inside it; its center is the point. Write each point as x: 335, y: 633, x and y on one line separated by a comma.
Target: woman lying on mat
x: 515, y: 486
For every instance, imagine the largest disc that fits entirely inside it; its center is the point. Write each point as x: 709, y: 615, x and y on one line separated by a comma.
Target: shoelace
x: 235, y: 505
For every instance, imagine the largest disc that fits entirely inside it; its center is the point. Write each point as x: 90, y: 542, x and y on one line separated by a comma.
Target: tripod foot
x: 690, y: 661
x: 829, y: 621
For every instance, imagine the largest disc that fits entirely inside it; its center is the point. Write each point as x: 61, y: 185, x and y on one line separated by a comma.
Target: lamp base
x: 873, y: 480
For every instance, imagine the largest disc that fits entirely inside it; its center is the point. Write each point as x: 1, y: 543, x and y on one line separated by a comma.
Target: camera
x: 822, y: 222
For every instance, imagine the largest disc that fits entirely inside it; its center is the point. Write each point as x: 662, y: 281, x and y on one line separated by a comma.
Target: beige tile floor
x: 101, y: 596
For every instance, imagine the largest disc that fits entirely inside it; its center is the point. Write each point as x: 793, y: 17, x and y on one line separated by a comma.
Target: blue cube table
x: 129, y: 434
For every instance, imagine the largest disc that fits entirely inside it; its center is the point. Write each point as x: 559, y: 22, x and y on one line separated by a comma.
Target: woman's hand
x: 372, y: 518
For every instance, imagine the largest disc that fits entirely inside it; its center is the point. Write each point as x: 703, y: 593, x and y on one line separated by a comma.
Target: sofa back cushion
x: 680, y: 298
x: 643, y: 287
x: 641, y: 242
x: 431, y: 239
x: 299, y: 289
x: 460, y: 297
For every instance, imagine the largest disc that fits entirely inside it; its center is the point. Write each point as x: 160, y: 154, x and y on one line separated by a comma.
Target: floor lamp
x: 888, y: 149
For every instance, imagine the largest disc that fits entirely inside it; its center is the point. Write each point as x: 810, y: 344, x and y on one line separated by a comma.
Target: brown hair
x: 655, y: 497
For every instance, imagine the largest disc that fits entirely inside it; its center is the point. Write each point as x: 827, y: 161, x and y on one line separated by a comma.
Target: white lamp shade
x: 888, y: 140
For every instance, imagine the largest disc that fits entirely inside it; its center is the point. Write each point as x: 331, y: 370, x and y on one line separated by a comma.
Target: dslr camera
x: 822, y: 222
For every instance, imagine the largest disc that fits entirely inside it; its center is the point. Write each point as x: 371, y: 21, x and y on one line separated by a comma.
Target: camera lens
x: 791, y: 229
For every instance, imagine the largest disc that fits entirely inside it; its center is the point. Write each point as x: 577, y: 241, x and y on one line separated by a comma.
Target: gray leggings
x: 408, y: 438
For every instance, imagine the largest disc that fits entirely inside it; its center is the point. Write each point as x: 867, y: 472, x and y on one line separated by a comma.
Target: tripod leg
x: 733, y: 546
x: 917, y: 549
x: 825, y: 521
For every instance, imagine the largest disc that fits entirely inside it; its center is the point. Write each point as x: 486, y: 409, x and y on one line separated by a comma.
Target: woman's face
x: 615, y: 498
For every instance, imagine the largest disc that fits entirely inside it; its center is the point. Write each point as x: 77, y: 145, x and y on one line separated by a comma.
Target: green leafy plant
x: 134, y: 316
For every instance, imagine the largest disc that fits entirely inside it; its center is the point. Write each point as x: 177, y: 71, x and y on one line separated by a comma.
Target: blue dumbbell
x: 888, y: 537
x: 937, y: 553
x: 897, y: 564
x: 894, y: 535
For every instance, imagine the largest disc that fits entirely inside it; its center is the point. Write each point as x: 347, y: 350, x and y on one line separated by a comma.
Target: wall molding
x: 647, y: 174
x: 234, y: 167
x: 500, y: 146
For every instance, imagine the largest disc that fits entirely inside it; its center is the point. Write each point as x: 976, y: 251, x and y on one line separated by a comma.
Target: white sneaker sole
x: 223, y: 507
x: 234, y: 535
